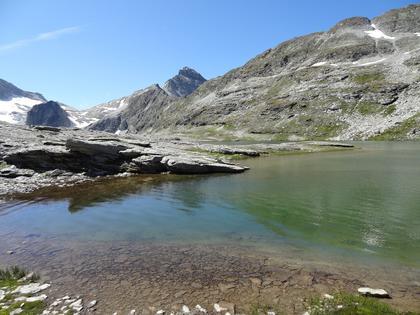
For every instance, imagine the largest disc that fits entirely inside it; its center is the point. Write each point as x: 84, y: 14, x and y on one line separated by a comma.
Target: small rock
x: 77, y: 305
x: 2, y: 294
x: 200, y: 309
x: 41, y: 297
x: 271, y: 313
x: 92, y: 304
x: 327, y: 296
x: 160, y: 312
x: 10, y: 252
x: 380, y: 293
x: 185, y: 309
x: 132, y: 312
x: 224, y: 307
x: 31, y: 288
x: 339, y: 307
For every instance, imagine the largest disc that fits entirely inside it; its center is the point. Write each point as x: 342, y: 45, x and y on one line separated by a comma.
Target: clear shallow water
x: 362, y: 203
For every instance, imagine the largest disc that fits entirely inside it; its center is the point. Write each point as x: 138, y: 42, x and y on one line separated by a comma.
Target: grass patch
x: 390, y: 109
x: 29, y: 308
x: 400, y: 131
x: 368, y: 108
x: 3, y: 164
x: 350, y: 304
x: 9, y: 277
x: 365, y: 78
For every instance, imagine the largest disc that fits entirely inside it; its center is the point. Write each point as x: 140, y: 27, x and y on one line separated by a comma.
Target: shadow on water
x: 85, y: 195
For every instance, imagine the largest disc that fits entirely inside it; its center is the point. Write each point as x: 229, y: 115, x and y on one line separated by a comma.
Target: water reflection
x: 358, y: 202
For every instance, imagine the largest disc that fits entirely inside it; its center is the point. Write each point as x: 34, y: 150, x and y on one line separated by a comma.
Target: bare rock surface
x: 33, y: 158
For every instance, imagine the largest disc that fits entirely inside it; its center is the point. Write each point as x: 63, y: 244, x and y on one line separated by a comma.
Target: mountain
x: 48, y: 114
x: 184, y: 83
x: 141, y: 110
x: 358, y: 80
x: 14, y: 102
x: 137, y: 112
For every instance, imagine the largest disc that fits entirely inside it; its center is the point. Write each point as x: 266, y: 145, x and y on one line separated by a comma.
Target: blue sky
x: 83, y: 52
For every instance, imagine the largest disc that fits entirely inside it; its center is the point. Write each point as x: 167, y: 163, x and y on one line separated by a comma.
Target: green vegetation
x: 9, y: 279
x: 350, y: 304
x: 369, y: 78
x: 28, y: 308
x: 400, y: 131
x: 3, y: 164
x: 369, y: 108
x: 390, y: 109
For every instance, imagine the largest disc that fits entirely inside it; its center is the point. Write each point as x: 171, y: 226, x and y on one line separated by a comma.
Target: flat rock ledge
x: 33, y: 158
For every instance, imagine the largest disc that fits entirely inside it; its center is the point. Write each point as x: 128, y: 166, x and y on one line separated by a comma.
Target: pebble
x: 160, y: 312
x: 327, y: 296
x: 77, y: 305
x: 271, y: 313
x: 92, y: 303
x: 132, y: 312
x: 200, y: 309
x: 10, y: 252
x: 185, y: 309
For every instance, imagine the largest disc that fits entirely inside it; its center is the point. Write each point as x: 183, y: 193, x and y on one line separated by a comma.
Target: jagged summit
x: 184, y: 83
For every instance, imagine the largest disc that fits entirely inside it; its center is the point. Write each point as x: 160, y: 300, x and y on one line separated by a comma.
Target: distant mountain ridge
x: 358, y: 80
x: 141, y: 110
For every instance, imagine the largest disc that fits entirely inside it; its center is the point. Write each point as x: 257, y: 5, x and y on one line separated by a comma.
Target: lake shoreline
x: 41, y: 157
x: 149, y: 275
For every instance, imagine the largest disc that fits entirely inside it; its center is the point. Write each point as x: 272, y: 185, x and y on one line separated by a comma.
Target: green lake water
x: 362, y: 204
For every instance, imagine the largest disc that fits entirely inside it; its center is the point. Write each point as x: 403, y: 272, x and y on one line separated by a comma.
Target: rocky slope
x: 359, y: 80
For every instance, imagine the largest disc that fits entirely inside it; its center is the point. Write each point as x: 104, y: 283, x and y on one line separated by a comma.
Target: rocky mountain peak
x: 358, y: 22
x: 184, y: 83
x: 48, y: 114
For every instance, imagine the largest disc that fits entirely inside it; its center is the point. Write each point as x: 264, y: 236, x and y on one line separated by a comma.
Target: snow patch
x: 14, y: 111
x: 319, y: 64
x: 378, y: 34
x: 418, y: 34
x: 372, y: 62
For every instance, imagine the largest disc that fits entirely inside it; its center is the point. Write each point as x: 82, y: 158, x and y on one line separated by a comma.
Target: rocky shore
x: 37, y: 157
x: 150, y: 278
